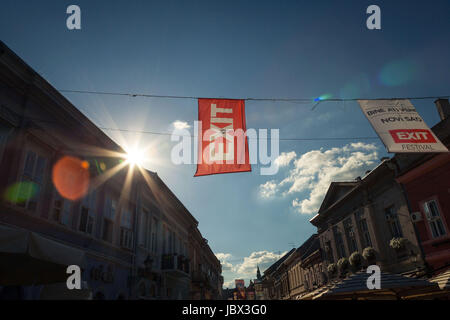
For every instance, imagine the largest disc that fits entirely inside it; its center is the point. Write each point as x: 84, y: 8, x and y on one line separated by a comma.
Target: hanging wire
x: 295, y: 100
x: 301, y: 100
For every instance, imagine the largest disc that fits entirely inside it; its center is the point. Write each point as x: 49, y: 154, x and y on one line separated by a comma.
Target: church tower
x: 258, y: 273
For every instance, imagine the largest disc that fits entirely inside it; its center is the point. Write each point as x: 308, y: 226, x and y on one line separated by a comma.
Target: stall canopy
x: 27, y: 258
x: 59, y: 291
x: 443, y: 280
x: 393, y: 286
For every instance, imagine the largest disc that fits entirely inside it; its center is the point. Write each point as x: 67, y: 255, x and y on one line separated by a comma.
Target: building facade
x: 207, y: 281
x: 296, y: 273
x: 369, y: 213
x: 426, y: 181
x: 65, y: 184
x: 274, y: 280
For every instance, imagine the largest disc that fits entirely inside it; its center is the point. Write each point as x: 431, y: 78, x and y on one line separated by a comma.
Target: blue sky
x: 239, y: 49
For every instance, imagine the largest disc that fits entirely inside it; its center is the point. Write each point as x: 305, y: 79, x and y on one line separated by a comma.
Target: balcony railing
x: 203, y: 278
x: 174, y: 262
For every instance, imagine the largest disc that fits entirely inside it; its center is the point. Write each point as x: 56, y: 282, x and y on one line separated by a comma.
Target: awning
x: 59, y: 291
x: 393, y: 286
x: 27, y: 258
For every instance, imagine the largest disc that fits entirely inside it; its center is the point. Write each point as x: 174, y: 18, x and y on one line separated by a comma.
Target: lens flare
x: 323, y: 97
x: 20, y: 192
x: 356, y: 87
x: 71, y: 177
x: 398, y: 73
x: 135, y: 157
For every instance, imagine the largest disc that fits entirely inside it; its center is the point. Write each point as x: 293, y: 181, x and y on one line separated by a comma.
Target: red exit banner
x: 222, y: 144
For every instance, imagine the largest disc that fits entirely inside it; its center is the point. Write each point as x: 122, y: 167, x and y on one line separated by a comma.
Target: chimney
x: 443, y: 107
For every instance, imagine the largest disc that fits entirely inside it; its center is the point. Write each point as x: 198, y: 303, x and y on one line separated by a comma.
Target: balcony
x: 178, y: 265
x: 199, y: 277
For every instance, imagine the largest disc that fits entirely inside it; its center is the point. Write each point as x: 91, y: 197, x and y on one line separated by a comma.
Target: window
x: 171, y: 241
x: 32, y: 180
x: 87, y: 213
x: 146, y: 227
x: 154, y: 235
x: 434, y: 219
x: 364, y: 230
x: 329, y: 251
x: 170, y: 249
x: 393, y: 223
x: 185, y: 249
x: 164, y: 237
x: 108, y: 219
x: 339, y: 242
x: 5, y: 130
x: 61, y: 209
x: 126, y: 233
x: 350, y: 235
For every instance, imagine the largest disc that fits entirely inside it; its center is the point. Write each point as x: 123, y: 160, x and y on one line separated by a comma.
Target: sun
x: 135, y: 157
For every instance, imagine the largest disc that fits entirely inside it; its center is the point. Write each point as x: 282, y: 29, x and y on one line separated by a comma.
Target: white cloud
x: 268, y: 189
x: 262, y: 258
x: 179, y: 125
x: 229, y: 284
x: 246, y: 268
x: 285, y: 158
x: 313, y: 172
x: 223, y: 257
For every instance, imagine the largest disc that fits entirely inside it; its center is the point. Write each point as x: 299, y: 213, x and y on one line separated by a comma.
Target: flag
x: 222, y: 143
x: 400, y: 126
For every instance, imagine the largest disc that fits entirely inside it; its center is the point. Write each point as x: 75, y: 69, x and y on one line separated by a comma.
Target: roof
x: 274, y: 266
x: 334, y: 188
x: 21, y: 70
x: 310, y: 246
x: 350, y: 188
x: 307, y: 248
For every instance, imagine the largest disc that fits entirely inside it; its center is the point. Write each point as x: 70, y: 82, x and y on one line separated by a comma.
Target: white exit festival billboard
x: 400, y: 126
